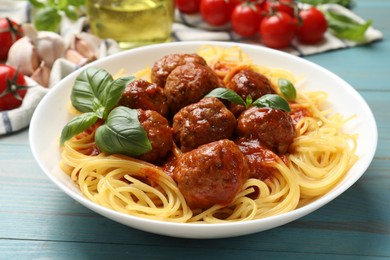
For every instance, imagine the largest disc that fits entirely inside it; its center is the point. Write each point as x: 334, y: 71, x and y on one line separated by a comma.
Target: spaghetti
x: 321, y: 155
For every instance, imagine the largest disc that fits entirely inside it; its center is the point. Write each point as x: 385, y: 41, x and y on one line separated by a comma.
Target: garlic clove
x: 75, y: 57
x: 93, y: 42
x: 30, y: 31
x: 41, y: 75
x: 50, y: 46
x: 84, y: 48
x: 23, y: 55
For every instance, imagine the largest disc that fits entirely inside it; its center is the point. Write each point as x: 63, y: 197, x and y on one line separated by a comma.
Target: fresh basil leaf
x: 61, y: 4
x: 272, y: 101
x: 287, y: 88
x: 89, y: 91
x: 37, y: 3
x: 122, y: 133
x: 346, y: 28
x: 77, y: 125
x: 71, y: 13
x: 47, y: 19
x: 226, y: 94
x: 76, y: 2
x: 112, y: 94
x: 345, y: 3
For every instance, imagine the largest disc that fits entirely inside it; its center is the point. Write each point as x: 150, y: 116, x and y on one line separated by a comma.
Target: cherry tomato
x: 215, y: 12
x: 188, y: 6
x: 246, y: 19
x: 278, y: 30
x: 260, y: 3
x: 313, y: 26
x: 13, y: 87
x: 10, y: 32
x: 286, y: 6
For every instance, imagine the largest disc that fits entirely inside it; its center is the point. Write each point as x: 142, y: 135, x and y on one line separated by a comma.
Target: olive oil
x: 131, y: 23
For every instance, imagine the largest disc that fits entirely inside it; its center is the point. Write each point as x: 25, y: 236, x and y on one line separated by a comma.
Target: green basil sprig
x: 268, y: 100
x: 346, y: 28
x: 287, y: 88
x: 96, y: 93
x: 49, y: 13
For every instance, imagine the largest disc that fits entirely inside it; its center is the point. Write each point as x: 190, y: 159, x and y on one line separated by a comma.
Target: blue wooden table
x: 38, y: 221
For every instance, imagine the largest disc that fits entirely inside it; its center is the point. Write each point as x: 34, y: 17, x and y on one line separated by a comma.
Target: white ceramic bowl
x: 51, y: 115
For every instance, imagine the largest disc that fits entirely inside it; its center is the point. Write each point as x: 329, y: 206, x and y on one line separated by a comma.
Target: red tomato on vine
x: 10, y: 32
x: 287, y: 6
x: 13, y: 87
x: 216, y: 12
x: 246, y: 19
x: 188, y: 6
x: 313, y: 26
x: 278, y: 30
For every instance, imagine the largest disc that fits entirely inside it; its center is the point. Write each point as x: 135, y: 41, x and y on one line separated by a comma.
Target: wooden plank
x: 193, y: 250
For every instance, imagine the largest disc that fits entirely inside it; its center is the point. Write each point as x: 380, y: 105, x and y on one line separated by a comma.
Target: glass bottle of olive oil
x: 131, y: 23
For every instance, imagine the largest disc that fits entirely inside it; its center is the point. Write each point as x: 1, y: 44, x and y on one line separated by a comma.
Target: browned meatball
x: 159, y: 133
x: 211, y: 174
x: 249, y: 82
x: 246, y: 83
x: 258, y: 158
x: 273, y: 128
x: 188, y: 84
x: 163, y: 67
x: 203, y: 122
x: 144, y: 95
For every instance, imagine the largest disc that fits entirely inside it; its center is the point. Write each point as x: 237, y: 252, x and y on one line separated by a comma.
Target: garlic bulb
x: 49, y: 45
x: 23, y: 55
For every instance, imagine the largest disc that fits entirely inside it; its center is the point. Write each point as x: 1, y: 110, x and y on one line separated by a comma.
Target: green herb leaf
x: 345, y: 3
x: 287, y: 88
x: 112, y: 94
x: 272, y: 101
x: 77, y: 125
x: 226, y: 94
x: 61, y: 4
x: 47, y: 19
x: 37, y: 4
x: 346, y: 28
x: 71, y: 13
x: 122, y: 133
x: 76, y: 3
x: 89, y: 91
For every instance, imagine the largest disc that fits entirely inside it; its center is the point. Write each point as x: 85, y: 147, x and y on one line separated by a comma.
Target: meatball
x: 144, y: 95
x: 258, y: 158
x: 159, y: 133
x: 188, y: 84
x: 273, y: 128
x: 211, y: 174
x: 246, y: 83
x: 201, y: 123
x: 163, y: 67
x: 249, y: 82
